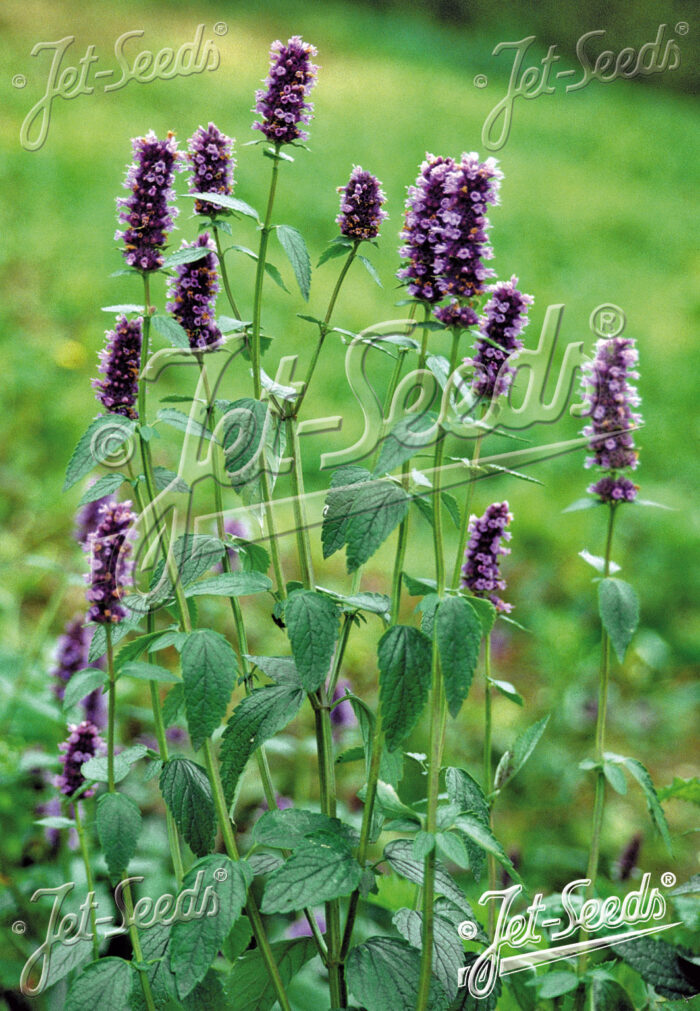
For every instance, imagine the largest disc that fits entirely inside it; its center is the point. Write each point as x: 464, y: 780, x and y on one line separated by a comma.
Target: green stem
x: 136, y: 944
x: 464, y: 527
x: 224, y: 272
x: 302, y: 531
x: 260, y: 277
x: 88, y: 875
x: 111, y: 710
x: 599, y: 802
x: 437, y: 725
x: 488, y: 772
x: 252, y: 910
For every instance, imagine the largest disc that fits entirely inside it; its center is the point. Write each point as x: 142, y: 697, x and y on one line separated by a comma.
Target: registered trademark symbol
x: 607, y: 320
x: 467, y: 930
x: 481, y: 80
x: 19, y: 927
x: 220, y: 28
x: 682, y: 28
x: 668, y: 879
x: 19, y: 81
x: 220, y: 874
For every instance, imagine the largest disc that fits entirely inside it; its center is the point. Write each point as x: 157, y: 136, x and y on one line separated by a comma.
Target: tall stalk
x: 224, y: 272
x: 82, y: 839
x: 488, y: 772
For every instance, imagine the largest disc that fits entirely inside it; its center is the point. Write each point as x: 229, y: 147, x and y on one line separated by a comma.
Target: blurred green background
x: 596, y: 206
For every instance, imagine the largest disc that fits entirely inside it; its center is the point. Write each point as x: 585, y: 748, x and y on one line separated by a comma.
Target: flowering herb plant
x: 310, y: 865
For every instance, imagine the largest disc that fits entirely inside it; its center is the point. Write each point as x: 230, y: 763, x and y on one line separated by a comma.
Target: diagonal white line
x: 514, y: 963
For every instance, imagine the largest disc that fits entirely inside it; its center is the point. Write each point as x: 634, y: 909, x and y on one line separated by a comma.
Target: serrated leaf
x: 188, y: 254
x: 448, y: 954
x: 312, y: 627
x: 638, y: 771
x: 104, y: 436
x: 507, y: 689
x: 208, y: 995
x: 105, y: 983
x: 81, y: 684
x: 371, y: 269
x: 619, y: 612
x: 525, y: 743
x: 607, y: 995
x: 464, y: 791
x: 661, y: 966
x: 105, y: 485
x: 230, y: 203
x: 133, y: 649
x: 292, y: 242
x: 195, y: 942
x: 399, y: 853
x: 174, y: 333
x: 616, y: 777
x: 256, y: 718
x: 458, y: 633
x: 418, y: 587
x: 96, y: 769
x: 336, y: 514
x: 183, y: 422
x: 407, y: 437
x: 254, y: 557
x: 148, y: 672
x: 193, y: 555
x: 280, y: 669
x: 555, y: 984
x: 118, y: 828
x: 209, y: 671
x: 289, y: 828
x: 249, y: 986
x: 164, y: 478
x: 682, y: 789
x: 230, y: 584
x: 383, y: 975
x: 187, y: 792
x: 321, y: 868
x: 391, y: 763
x: 378, y: 507
x: 392, y: 805
x: 486, y: 611
x: 244, y: 438
x: 273, y: 273
x: 481, y: 835
x: 174, y: 705
x: 374, y: 603
x: 405, y: 664
x: 582, y: 503
x: 332, y: 251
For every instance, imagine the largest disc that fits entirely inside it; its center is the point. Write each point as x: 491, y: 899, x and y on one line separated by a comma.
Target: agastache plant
x: 295, y: 857
x: 148, y: 214
x: 120, y: 364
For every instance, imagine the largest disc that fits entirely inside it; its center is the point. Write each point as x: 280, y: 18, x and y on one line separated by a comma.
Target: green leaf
x: 374, y: 603
x: 582, y: 503
x: 660, y: 965
x: 174, y: 705
x: 293, y: 244
x: 454, y: 848
x: 255, y: 719
x: 208, y: 995
x: 525, y: 743
x: 182, y: 422
x: 195, y: 942
x: 280, y: 669
x: 321, y: 868
x: 104, y: 437
x: 486, y: 611
x: 619, y: 612
x: 244, y: 439
x: 231, y: 584
x: 418, y: 587
x: 55, y: 821
x: 391, y: 763
x: 274, y: 274
x: 148, y: 672
x: 392, y: 805
x: 249, y: 986
x: 133, y: 650
x: 289, y: 828
x: 187, y: 792
x: 164, y: 478
x: 399, y: 853
x: 105, y: 983
x: 209, y: 671
x: 105, y: 485
x: 607, y: 995
x: 193, y: 555
x: 507, y: 689
x: 81, y: 684
x: 638, y: 771
x: 555, y: 984
x: 239, y: 936
x: 597, y: 562
x: 371, y: 269
x: 405, y: 664
x: 312, y: 627
x: 408, y: 436
x: 464, y: 791
x: 458, y: 632
x: 465, y: 1002
x: 169, y: 328
x: 448, y: 953
x: 98, y: 643
x: 118, y: 828
x: 682, y: 789
x: 336, y: 514
x: 378, y: 507
x: 230, y: 203
x: 481, y: 835
x: 96, y: 769
x: 188, y: 254
x: 423, y: 843
x: 254, y: 557
x: 383, y: 975
x: 332, y: 251
x: 616, y: 777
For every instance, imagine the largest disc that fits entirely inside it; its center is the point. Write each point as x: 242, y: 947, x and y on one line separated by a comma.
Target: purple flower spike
x: 610, y: 397
x: 453, y: 314
x: 71, y: 655
x: 282, y: 104
x: 83, y: 743
x: 361, y: 202
x: 147, y: 213
x: 88, y: 517
x: 210, y: 154
x: 480, y: 572
x: 120, y: 362
x: 422, y: 227
x: 505, y: 318
x: 110, y: 566
x: 193, y: 294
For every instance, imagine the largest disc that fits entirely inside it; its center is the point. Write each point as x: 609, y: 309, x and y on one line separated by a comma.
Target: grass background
x: 597, y: 206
